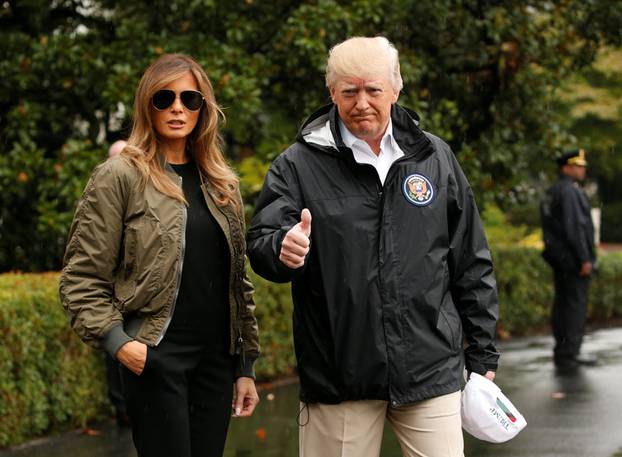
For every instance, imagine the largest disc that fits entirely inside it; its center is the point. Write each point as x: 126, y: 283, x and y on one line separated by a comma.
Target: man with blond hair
x: 375, y: 225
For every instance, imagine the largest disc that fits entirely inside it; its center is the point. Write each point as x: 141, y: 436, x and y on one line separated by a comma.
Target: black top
x: 202, y: 307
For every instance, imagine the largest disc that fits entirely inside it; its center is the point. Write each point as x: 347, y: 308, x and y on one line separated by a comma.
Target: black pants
x: 569, y: 313
x: 115, y: 389
x: 181, y: 404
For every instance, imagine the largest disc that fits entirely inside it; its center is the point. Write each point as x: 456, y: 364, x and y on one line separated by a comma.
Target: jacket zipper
x: 239, y: 342
x: 390, y: 174
x: 179, y: 268
x: 380, y: 287
x: 380, y: 196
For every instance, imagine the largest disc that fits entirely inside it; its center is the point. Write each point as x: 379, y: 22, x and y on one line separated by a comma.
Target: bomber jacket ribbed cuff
x: 246, y: 370
x: 114, y: 339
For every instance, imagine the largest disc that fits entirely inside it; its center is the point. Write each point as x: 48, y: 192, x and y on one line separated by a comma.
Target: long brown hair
x: 204, y: 144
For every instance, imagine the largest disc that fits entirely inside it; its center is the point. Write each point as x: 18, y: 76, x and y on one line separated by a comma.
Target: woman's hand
x: 246, y: 397
x: 133, y: 355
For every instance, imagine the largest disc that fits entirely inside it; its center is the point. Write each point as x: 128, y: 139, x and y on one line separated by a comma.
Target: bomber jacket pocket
x: 129, y: 252
x: 145, y: 254
x: 125, y: 284
x: 123, y: 292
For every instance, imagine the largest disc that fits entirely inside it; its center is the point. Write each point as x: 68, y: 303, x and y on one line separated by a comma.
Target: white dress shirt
x: 389, y: 150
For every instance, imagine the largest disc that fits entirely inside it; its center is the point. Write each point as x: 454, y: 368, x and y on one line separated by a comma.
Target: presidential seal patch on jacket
x: 418, y: 190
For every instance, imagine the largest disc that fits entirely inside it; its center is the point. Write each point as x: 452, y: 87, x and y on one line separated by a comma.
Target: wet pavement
x: 569, y: 414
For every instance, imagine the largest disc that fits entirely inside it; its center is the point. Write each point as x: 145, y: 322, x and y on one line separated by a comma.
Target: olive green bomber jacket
x: 122, y: 265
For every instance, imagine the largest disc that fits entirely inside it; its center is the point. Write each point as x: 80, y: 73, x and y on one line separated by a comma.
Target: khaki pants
x: 428, y: 428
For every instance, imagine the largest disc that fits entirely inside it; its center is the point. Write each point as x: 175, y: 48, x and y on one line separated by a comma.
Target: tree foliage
x: 480, y: 73
x: 591, y: 104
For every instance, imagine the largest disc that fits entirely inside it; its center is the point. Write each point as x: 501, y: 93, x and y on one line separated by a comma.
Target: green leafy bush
x: 498, y: 231
x: 606, y: 289
x: 525, y: 287
x: 611, y: 230
x: 48, y: 377
x: 38, y: 195
x: 274, y: 314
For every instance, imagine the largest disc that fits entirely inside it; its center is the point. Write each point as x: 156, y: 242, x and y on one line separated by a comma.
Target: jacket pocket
x: 125, y: 283
x: 149, y: 360
x: 129, y: 252
x: 448, y: 324
x: 152, y: 253
x: 123, y: 292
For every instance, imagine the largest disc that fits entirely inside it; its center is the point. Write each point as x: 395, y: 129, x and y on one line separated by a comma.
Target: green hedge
x: 50, y: 381
x: 611, y: 228
x: 525, y: 289
x: 525, y: 286
x: 274, y: 314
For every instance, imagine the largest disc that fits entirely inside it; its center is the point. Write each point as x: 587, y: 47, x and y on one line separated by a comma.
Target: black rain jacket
x: 396, y: 275
x: 567, y: 227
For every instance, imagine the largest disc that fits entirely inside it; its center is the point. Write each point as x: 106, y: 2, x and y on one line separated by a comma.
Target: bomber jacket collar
x: 411, y: 139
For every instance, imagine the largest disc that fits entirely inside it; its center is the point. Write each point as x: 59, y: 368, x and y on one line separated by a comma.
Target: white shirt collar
x: 350, y: 140
x: 389, y: 150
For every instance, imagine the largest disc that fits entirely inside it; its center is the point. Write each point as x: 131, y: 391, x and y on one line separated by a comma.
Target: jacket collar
x: 411, y: 139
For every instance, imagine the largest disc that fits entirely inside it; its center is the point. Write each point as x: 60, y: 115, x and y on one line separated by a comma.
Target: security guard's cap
x: 573, y: 157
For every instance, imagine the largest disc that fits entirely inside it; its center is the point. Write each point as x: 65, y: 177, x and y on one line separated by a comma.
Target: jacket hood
x: 321, y: 132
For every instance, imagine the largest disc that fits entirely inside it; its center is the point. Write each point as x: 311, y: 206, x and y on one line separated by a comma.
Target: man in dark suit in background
x: 568, y: 235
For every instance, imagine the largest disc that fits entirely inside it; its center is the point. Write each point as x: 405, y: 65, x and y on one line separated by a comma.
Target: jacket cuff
x: 245, y: 367
x: 114, y: 339
x: 473, y: 366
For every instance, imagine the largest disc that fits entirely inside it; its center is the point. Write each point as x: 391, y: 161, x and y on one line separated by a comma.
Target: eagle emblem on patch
x: 418, y: 190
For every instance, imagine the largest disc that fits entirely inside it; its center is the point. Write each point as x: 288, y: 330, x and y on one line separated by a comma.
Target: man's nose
x: 361, y: 101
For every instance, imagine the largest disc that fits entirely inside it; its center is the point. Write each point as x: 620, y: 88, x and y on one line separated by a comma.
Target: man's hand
x: 133, y: 355
x: 246, y: 397
x: 296, y: 243
x: 586, y: 269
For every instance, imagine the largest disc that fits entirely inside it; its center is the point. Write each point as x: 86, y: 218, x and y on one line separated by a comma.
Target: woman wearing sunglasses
x: 154, y: 270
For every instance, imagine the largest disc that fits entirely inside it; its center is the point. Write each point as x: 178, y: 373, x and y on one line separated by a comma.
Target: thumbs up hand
x: 295, y: 245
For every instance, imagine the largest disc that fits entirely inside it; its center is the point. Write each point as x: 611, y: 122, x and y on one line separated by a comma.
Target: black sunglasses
x: 191, y: 99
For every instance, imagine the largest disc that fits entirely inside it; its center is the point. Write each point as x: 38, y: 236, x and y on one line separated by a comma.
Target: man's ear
x: 396, y: 95
x: 332, y: 93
